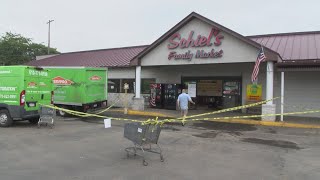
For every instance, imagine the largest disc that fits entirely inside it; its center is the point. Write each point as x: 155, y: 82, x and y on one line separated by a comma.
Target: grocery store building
x: 216, y: 61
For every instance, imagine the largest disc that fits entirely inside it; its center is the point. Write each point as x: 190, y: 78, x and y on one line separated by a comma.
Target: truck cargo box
x: 79, y: 88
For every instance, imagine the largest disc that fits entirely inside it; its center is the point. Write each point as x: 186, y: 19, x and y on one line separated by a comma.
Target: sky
x: 100, y: 24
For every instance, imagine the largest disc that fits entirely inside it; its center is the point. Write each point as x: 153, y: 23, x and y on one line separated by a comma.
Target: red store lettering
x: 200, y: 41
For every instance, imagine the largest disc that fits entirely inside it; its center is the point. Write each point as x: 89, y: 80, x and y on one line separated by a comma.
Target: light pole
x: 49, y: 35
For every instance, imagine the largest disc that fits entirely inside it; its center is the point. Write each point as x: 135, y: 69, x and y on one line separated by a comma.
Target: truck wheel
x: 34, y: 121
x: 63, y: 113
x: 5, y: 118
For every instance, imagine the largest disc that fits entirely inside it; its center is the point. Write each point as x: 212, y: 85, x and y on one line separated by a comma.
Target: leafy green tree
x: 16, y: 49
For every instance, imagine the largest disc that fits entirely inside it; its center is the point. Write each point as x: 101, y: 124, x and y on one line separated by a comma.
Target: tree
x: 16, y: 49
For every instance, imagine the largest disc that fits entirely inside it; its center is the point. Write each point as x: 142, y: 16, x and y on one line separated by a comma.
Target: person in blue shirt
x: 182, y: 102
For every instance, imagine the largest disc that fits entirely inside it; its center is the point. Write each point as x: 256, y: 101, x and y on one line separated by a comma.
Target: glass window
x: 145, y: 85
x: 131, y: 83
x: 113, y: 85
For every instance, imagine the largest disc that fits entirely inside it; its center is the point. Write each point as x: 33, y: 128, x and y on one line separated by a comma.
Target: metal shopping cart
x: 47, y: 116
x: 143, y: 136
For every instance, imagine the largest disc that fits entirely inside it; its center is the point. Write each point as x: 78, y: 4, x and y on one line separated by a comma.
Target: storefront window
x: 145, y: 85
x: 131, y: 83
x: 209, y: 88
x: 114, y: 85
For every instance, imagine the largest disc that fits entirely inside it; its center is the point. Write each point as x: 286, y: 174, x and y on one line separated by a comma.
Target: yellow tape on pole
x: 230, y: 119
x: 227, y: 110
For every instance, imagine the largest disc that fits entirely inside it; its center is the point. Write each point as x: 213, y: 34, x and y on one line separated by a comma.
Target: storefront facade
x: 217, y: 60
x: 214, y: 63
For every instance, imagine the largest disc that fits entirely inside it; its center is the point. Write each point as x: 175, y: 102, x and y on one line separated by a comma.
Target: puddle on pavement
x: 214, y: 134
x: 230, y: 127
x: 276, y: 143
x: 170, y: 127
x: 272, y: 131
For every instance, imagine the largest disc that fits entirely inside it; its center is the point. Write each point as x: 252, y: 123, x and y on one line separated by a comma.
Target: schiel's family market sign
x: 199, y: 41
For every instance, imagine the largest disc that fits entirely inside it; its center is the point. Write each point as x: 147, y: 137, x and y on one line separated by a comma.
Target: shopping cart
x: 142, y: 136
x: 47, y: 116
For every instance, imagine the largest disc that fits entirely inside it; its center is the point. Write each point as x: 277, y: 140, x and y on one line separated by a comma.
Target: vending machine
x: 156, y: 96
x: 171, y: 93
x: 164, y: 95
x: 231, y: 96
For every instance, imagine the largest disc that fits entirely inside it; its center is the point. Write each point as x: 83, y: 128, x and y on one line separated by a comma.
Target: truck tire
x: 62, y: 113
x: 5, y: 118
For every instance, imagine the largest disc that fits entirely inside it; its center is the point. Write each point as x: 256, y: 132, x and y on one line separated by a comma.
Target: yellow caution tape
x: 82, y: 114
x: 255, y: 116
x: 228, y: 110
x: 108, y: 107
x: 233, y: 119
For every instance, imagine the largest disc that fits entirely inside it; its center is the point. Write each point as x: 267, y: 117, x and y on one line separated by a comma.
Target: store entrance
x: 213, y: 92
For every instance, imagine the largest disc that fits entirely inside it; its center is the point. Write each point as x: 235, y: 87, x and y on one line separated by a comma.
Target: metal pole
x: 49, y: 22
x: 126, y: 102
x: 282, y: 94
x: 126, y: 87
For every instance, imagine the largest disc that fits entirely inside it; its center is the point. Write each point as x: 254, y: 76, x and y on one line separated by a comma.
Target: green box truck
x: 22, y: 90
x: 79, y: 88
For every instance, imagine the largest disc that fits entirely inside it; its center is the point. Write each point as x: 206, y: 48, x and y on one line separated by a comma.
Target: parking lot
x: 84, y: 149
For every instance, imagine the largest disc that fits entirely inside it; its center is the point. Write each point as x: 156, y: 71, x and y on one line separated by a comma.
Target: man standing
x: 182, y: 102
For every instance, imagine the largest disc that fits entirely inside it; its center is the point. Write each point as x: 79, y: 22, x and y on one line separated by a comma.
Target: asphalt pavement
x: 83, y: 149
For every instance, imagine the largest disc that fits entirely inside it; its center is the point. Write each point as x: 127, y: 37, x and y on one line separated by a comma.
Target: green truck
x: 79, y: 88
x: 22, y: 90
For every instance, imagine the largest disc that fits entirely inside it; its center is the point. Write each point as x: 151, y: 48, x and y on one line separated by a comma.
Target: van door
x: 38, y: 88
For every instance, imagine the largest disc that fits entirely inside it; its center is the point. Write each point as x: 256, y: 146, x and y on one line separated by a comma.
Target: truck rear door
x: 38, y: 88
x: 96, y: 89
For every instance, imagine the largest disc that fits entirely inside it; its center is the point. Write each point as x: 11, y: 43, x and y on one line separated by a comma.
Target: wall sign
x: 213, y: 38
x: 209, y: 88
x: 192, y: 89
x: 254, y: 92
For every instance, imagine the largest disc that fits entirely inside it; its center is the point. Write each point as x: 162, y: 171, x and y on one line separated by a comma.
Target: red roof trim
x: 113, y: 57
x: 284, y: 34
x: 117, y: 48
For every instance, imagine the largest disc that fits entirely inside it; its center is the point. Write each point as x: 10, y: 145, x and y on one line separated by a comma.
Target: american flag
x: 261, y: 57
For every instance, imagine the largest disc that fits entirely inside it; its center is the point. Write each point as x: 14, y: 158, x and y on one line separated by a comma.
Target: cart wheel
x: 161, y: 158
x: 145, y: 163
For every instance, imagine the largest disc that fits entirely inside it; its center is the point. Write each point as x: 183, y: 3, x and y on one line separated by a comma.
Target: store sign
x: 254, y: 92
x: 213, y: 38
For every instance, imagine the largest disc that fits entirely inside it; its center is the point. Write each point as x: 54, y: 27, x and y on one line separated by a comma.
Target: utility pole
x: 49, y: 35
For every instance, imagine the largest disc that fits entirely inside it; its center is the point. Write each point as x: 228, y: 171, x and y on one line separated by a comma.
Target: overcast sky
x: 100, y: 24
